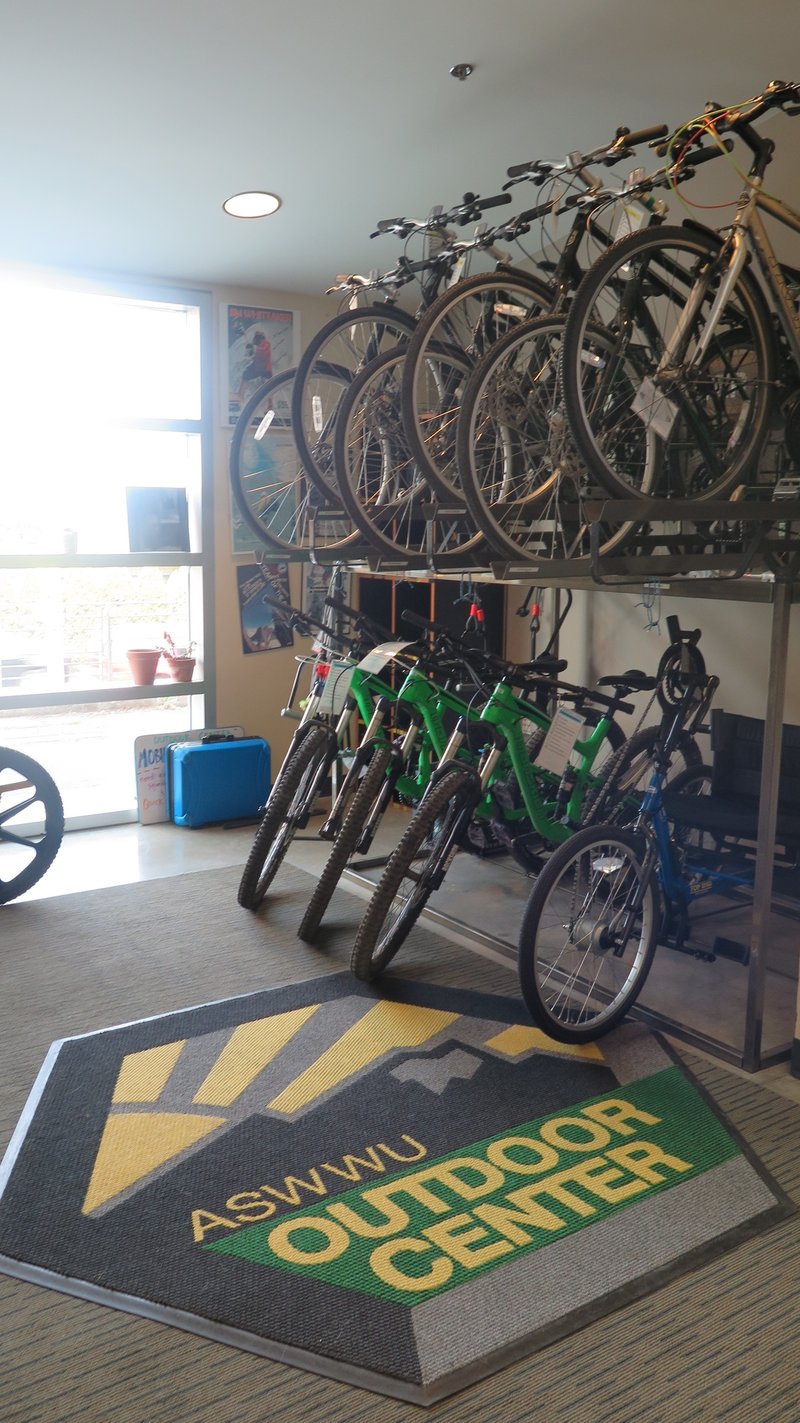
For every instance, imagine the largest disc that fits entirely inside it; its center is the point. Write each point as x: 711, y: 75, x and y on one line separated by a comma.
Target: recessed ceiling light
x: 252, y: 204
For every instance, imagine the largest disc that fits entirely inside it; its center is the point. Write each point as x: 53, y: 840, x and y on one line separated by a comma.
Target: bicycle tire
x: 467, y: 318
x: 380, y: 484
x: 278, y: 501
x: 577, y: 982
x: 344, y: 845
x: 342, y: 347
x: 36, y: 794
x: 710, y: 424
x: 618, y: 797
x: 289, y: 803
x: 519, y: 472
x: 442, y: 817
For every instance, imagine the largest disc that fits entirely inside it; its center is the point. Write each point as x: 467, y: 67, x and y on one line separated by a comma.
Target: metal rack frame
x: 761, y: 565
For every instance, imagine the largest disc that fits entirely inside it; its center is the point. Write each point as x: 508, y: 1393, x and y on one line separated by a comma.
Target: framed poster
x: 318, y: 583
x: 260, y: 342
x: 263, y: 626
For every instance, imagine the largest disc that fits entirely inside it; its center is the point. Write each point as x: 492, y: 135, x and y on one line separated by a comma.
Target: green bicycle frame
x: 505, y: 712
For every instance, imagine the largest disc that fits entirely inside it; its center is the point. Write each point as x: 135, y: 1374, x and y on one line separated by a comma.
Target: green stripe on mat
x: 506, y: 1195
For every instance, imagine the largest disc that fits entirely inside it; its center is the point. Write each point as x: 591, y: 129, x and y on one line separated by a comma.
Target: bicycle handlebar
x: 626, y: 140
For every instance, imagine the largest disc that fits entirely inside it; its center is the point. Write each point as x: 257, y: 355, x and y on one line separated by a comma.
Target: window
x: 104, y: 449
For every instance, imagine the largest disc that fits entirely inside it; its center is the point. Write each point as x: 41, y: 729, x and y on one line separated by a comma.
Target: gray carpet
x: 723, y: 1342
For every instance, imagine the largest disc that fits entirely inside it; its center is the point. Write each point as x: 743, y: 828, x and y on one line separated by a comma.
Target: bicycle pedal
x: 731, y: 949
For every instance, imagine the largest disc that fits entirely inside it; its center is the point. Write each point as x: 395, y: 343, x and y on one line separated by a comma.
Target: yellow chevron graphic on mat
x: 134, y: 1145
x: 384, y: 1027
x: 248, y: 1051
x: 209, y: 1091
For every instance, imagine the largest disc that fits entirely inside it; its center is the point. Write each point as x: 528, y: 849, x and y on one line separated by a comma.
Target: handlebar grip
x: 644, y: 135
x: 498, y: 201
x: 407, y: 616
x: 518, y: 170
x: 704, y: 154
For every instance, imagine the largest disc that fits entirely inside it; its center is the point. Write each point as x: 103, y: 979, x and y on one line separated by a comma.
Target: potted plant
x: 143, y: 662
x: 179, y: 660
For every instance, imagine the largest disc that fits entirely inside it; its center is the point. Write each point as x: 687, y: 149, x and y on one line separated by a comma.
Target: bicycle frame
x: 749, y: 221
x: 553, y: 821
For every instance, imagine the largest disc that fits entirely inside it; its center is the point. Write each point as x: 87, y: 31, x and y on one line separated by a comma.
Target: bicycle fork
x: 479, y: 777
x: 333, y: 824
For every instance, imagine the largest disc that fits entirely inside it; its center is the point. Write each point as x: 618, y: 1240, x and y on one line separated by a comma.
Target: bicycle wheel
x: 466, y: 320
x: 337, y: 353
x: 287, y: 811
x: 380, y: 484
x: 273, y: 493
x: 625, y: 777
x: 366, y: 793
x: 588, y: 934
x: 415, y: 869
x: 31, y: 822
x: 519, y: 471
x: 653, y: 292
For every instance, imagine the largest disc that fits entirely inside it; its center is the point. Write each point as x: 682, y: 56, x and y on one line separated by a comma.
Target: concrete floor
x: 707, y: 998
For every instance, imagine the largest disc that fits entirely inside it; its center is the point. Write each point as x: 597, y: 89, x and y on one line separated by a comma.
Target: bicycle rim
x: 31, y: 822
x: 466, y: 321
x: 521, y: 476
x: 275, y: 497
x: 709, y: 420
x: 380, y: 483
x: 335, y: 356
x: 588, y: 935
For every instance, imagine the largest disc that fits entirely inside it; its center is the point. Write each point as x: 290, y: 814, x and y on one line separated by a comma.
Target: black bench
x: 731, y: 807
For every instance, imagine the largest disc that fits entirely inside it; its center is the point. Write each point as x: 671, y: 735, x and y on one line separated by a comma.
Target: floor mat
x: 401, y: 1188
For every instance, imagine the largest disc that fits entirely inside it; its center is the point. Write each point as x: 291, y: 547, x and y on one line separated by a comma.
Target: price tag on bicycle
x: 562, y: 734
x: 376, y: 660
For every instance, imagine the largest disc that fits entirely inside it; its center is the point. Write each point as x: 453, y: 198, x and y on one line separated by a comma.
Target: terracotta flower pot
x: 143, y: 662
x: 181, y: 668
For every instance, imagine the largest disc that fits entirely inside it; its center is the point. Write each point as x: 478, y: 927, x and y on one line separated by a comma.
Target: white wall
x: 608, y: 632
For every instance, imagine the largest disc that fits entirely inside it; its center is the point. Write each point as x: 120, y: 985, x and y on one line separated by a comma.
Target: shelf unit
x: 676, y: 554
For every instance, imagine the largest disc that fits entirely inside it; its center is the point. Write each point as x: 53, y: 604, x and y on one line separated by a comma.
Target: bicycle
x: 402, y: 765
x: 31, y: 823
x: 359, y: 334
x: 379, y: 481
x: 606, y: 899
x: 703, y: 332
x: 548, y: 810
x: 519, y: 473
x: 316, y: 746
x: 469, y: 318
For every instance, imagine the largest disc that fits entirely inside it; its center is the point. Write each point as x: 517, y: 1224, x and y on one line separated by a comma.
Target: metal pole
x: 767, y: 815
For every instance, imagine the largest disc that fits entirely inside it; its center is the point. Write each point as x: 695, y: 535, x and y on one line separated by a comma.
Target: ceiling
x: 126, y: 125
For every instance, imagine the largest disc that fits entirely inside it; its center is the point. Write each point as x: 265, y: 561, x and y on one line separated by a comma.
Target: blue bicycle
x: 616, y: 889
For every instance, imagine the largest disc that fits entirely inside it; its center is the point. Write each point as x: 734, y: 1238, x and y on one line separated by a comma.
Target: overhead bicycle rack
x: 680, y: 539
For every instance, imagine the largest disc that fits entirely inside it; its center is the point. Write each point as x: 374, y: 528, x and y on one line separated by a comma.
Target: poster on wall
x: 320, y: 582
x: 263, y: 626
x: 261, y: 343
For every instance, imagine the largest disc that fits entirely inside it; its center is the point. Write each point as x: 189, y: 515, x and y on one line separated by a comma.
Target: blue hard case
x: 221, y: 780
